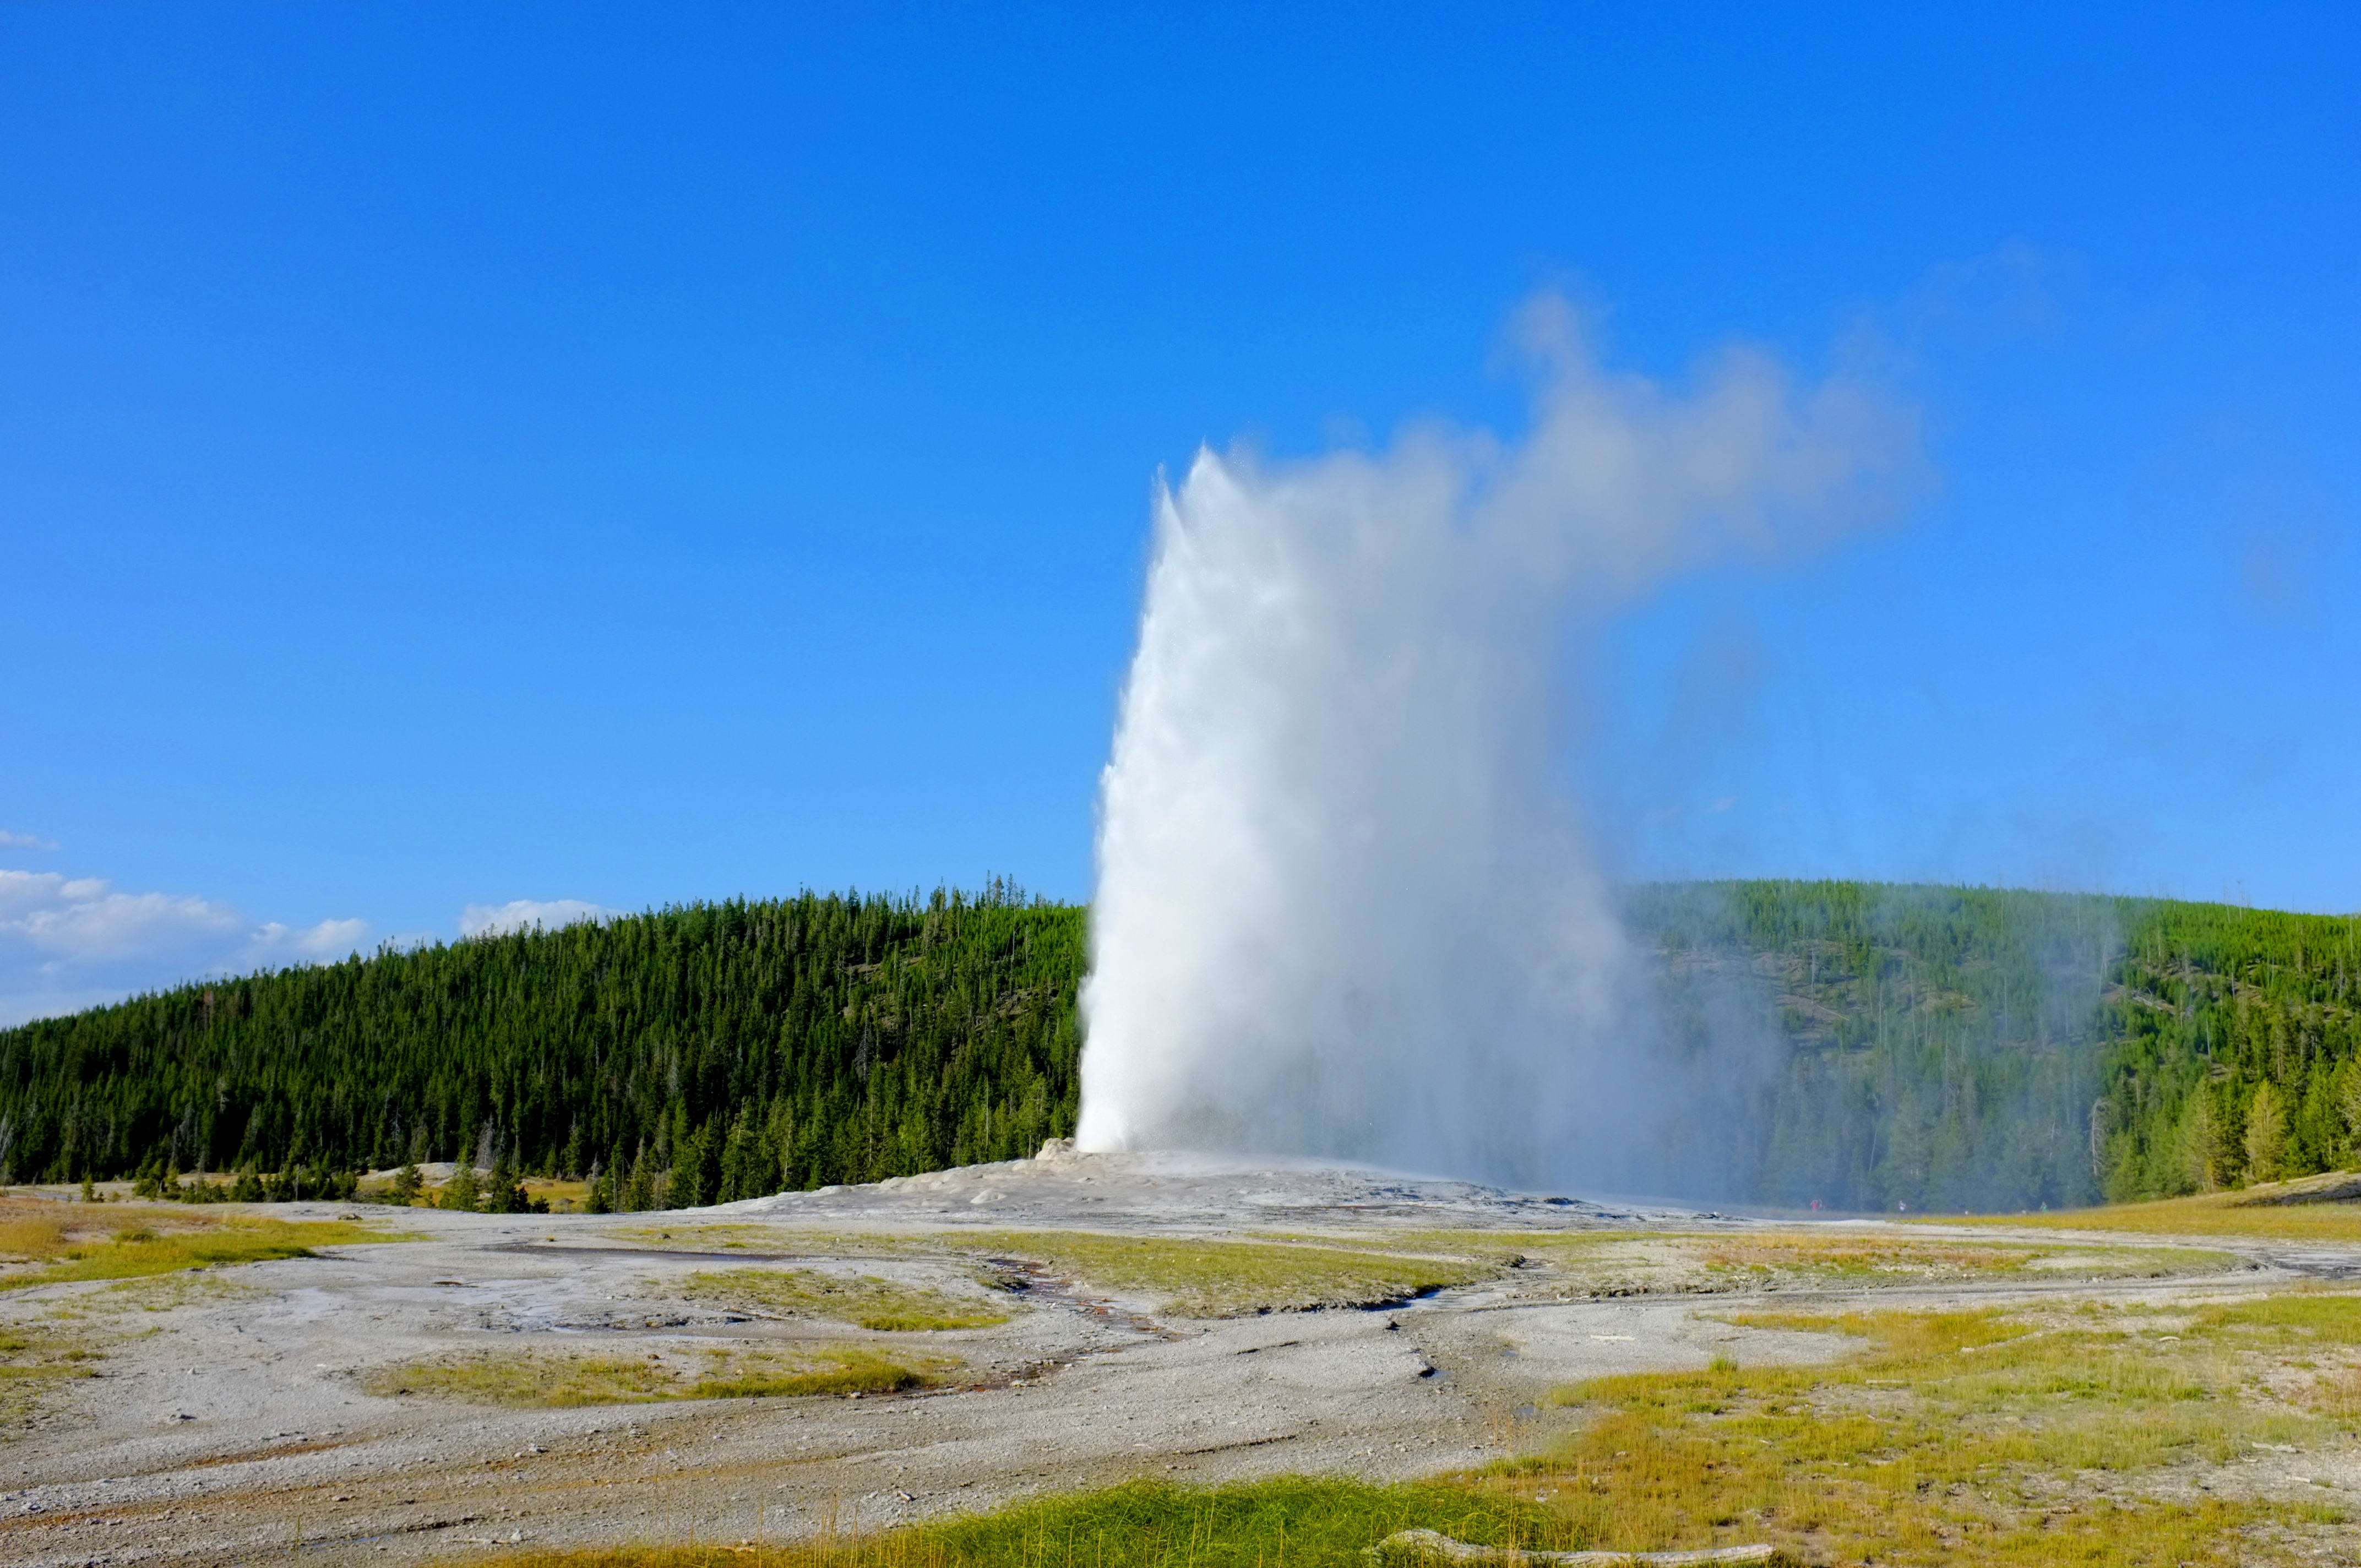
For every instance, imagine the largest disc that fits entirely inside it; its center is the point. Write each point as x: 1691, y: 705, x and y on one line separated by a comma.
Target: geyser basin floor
x: 231, y: 1413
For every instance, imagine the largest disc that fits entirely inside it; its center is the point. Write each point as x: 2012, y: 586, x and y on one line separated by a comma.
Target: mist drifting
x: 1348, y: 906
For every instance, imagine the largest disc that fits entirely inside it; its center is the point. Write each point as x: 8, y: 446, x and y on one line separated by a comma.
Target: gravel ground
x: 228, y: 1419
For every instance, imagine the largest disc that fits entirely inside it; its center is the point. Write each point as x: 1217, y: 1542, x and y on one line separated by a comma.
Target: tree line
x: 723, y: 1051
x: 1872, y: 1046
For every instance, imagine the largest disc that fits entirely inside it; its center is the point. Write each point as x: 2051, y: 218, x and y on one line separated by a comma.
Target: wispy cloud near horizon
x: 72, y: 942
x: 66, y: 943
x: 25, y: 841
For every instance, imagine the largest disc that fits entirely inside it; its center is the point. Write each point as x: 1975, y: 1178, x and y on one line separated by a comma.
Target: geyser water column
x: 1346, y: 904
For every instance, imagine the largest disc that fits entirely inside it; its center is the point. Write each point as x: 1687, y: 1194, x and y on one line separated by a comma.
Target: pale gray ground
x: 228, y: 1420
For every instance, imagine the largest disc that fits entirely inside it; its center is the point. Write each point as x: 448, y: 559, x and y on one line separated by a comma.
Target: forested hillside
x: 1978, y: 1049
x: 742, y: 1048
x: 2234, y: 1050
x: 1929, y: 1047
x: 1869, y: 1045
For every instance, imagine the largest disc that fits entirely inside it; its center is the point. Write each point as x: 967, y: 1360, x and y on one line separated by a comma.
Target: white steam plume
x: 1347, y: 905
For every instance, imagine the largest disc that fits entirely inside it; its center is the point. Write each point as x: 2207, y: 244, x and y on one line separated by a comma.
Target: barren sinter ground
x: 388, y: 1402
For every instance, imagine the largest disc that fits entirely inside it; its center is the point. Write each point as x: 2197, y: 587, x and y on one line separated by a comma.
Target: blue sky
x: 455, y: 455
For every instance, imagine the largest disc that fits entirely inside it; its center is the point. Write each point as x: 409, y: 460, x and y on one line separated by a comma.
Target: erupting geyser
x: 1347, y: 905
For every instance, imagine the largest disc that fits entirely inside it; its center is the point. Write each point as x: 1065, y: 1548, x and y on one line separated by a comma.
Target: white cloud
x: 524, y: 914
x: 25, y: 889
x: 324, y: 943
x: 82, y: 921
x: 25, y: 841
x: 72, y: 942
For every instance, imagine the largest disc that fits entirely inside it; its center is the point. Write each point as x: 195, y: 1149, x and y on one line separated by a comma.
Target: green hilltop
x: 1857, y: 1045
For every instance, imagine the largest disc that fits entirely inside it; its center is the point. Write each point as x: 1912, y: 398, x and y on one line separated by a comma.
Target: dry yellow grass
x: 2282, y: 1211
x: 563, y: 1196
x: 45, y: 1243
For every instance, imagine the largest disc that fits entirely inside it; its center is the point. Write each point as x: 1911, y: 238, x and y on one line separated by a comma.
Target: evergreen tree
x: 2349, y: 1109
x: 2265, y: 1133
x: 640, y: 1192
x: 502, y: 1192
x: 463, y: 1192
x: 696, y: 1169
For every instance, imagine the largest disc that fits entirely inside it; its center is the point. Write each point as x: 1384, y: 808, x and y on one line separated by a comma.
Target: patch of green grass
x: 1292, y: 1522
x: 871, y: 1303
x: 51, y: 1243
x: 550, y: 1379
x: 1204, y: 1278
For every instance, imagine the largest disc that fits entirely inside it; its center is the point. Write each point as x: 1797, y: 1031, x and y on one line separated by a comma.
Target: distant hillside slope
x: 1942, y: 1047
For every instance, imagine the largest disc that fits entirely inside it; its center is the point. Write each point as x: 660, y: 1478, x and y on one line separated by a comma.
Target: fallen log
x: 1413, y: 1546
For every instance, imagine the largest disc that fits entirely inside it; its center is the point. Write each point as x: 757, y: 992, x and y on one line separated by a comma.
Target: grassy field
x: 2289, y: 1210
x: 47, y: 1243
x: 871, y: 1303
x: 551, y: 1380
